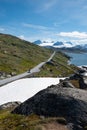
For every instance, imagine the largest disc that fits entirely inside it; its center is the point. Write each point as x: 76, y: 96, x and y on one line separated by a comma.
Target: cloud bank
x: 74, y: 34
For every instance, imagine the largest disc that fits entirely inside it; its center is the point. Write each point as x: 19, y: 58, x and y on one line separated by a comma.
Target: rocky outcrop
x: 81, y: 76
x: 4, y: 75
x: 58, y: 101
x: 10, y: 105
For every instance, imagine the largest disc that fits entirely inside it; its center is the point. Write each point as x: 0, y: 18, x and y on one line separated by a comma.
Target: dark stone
x: 58, y: 101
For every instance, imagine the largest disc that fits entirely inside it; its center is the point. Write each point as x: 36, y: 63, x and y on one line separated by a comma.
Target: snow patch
x: 21, y: 90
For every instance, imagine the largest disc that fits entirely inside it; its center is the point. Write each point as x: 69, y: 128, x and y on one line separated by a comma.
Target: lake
x: 78, y: 59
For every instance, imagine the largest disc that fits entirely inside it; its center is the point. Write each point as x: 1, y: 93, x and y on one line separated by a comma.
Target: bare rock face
x: 58, y: 101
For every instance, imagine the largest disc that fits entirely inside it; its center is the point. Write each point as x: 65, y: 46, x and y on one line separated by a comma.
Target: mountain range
x: 60, y: 44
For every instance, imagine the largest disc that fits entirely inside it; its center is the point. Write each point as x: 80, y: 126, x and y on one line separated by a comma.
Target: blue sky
x: 58, y: 20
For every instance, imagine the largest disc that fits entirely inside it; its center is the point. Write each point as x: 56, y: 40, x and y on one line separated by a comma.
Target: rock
x: 81, y: 77
x: 9, y: 105
x: 51, y: 63
x: 8, y: 76
x: 2, y: 77
x: 85, y: 80
x: 1, y: 73
x: 67, y: 84
x: 82, y: 83
x: 5, y: 52
x: 58, y: 101
x: 13, y: 73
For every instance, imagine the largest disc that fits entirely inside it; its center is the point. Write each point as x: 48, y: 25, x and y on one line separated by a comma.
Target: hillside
x: 17, y: 56
x: 57, y: 67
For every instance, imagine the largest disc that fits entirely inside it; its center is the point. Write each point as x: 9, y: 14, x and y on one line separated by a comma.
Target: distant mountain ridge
x: 38, y: 42
x: 61, y: 45
x: 58, y: 43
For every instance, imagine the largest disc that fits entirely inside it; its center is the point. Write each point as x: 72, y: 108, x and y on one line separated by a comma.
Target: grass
x: 18, y: 56
x: 75, y: 83
x: 58, y: 67
x: 10, y: 121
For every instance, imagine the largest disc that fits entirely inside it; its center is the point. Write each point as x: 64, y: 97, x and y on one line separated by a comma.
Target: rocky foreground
x: 61, y: 100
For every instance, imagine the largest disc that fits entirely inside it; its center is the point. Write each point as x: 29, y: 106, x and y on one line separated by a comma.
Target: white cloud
x: 81, y: 41
x: 74, y: 34
x: 35, y: 26
x: 22, y: 37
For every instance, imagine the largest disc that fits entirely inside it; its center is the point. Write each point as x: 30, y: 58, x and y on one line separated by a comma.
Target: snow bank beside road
x: 21, y: 90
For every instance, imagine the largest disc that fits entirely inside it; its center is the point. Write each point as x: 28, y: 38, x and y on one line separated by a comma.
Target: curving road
x: 28, y: 73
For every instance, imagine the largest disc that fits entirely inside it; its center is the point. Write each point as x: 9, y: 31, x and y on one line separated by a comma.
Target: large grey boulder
x: 58, y: 101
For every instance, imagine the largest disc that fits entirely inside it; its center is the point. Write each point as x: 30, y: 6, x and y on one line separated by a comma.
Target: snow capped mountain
x: 44, y: 43
x: 60, y: 44
x: 85, y: 46
x: 69, y: 43
x: 38, y: 42
x: 57, y: 44
x: 47, y: 43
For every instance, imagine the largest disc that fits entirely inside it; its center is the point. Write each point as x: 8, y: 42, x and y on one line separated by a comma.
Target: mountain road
x: 27, y: 73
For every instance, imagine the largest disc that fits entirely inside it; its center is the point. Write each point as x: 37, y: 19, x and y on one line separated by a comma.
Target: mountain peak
x: 58, y: 43
x: 37, y: 42
x: 69, y: 43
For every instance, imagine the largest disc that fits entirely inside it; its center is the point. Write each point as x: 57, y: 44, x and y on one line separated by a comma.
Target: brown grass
x: 54, y: 126
x: 75, y: 83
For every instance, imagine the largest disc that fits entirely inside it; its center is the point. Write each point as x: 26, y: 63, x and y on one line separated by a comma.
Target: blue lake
x: 78, y: 59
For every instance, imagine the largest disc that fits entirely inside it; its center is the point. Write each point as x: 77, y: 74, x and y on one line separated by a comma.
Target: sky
x: 52, y: 20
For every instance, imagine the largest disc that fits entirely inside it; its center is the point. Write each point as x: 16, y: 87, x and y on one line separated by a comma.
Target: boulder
x: 58, y: 101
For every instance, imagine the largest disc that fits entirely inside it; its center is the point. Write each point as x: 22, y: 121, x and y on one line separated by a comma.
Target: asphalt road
x: 28, y: 73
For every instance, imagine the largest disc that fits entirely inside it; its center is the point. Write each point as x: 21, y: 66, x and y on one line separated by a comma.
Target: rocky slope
x: 62, y: 100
